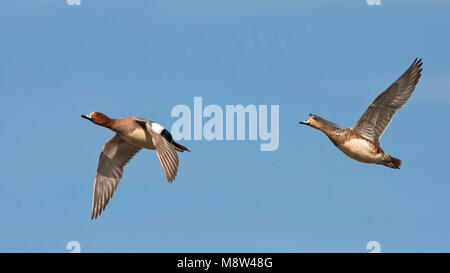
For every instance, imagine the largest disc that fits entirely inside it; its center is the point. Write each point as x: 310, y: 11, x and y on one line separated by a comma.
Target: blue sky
x: 330, y: 58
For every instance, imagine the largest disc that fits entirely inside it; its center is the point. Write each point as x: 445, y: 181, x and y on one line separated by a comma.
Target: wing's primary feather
x: 166, y: 153
x: 378, y: 115
x: 116, y: 153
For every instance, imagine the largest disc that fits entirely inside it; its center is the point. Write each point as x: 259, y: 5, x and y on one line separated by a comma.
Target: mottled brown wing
x: 378, y: 115
x: 166, y: 153
x: 116, y: 153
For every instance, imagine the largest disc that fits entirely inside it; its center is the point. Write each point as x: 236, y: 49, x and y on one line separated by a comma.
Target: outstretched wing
x: 116, y: 153
x: 377, y: 117
x: 164, y: 149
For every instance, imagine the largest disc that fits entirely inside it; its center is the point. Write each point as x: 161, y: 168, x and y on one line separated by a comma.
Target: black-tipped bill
x: 88, y: 117
x: 304, y: 122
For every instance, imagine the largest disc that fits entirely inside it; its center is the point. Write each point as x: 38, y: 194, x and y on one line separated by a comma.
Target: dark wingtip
x: 418, y: 62
x: 179, y: 147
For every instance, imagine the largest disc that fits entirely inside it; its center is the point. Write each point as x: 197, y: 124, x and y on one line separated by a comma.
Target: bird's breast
x: 361, y: 149
x: 139, y: 137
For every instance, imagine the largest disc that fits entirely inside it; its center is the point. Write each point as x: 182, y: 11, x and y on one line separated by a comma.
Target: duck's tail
x: 179, y: 147
x: 392, y: 162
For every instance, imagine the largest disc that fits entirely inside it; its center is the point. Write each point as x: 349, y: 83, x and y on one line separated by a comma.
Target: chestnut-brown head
x: 98, y: 118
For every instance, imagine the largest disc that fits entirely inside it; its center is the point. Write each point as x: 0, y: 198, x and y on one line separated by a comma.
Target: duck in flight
x: 362, y: 141
x: 132, y: 134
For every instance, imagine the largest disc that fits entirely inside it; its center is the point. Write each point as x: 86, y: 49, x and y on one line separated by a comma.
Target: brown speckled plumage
x: 362, y: 141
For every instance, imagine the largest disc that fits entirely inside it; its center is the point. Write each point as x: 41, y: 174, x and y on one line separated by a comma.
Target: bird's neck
x: 106, y: 122
x: 325, y: 127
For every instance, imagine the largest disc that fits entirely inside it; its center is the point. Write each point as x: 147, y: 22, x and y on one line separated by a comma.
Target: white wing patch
x: 157, y: 128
